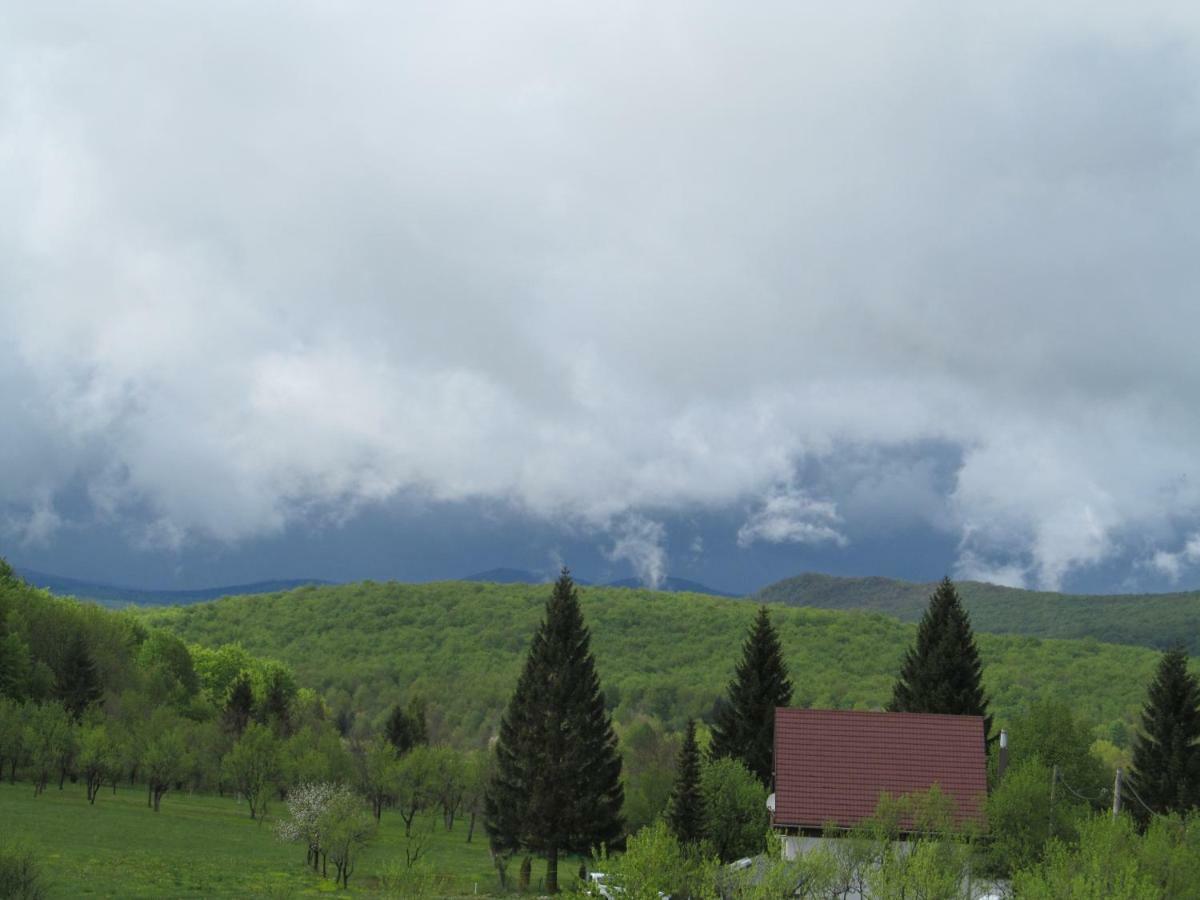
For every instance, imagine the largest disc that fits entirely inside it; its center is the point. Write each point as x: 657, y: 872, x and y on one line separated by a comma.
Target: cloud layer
x: 266, y: 266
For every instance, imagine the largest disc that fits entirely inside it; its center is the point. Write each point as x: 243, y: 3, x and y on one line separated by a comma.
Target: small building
x: 832, y: 766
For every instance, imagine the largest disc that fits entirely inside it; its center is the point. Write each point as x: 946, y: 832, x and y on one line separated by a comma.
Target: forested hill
x: 118, y: 596
x: 668, y: 655
x: 1148, y: 620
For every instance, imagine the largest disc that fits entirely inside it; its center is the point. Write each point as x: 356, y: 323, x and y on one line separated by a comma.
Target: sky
x: 363, y: 290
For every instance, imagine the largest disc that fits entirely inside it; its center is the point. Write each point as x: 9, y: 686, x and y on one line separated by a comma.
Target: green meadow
x: 207, y: 846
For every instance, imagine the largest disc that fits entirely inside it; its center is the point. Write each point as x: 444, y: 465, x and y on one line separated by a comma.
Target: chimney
x: 1002, y: 762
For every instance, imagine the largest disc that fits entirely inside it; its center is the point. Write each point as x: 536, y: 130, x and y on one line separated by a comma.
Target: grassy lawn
x: 205, y: 846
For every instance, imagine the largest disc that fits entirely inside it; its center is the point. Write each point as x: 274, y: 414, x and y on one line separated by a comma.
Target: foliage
x: 1050, y: 732
x: 20, y: 873
x: 656, y: 864
x: 736, y: 802
x: 745, y: 724
x: 1022, y: 819
x: 346, y: 829
x: 687, y: 814
x: 98, y: 758
x: 239, y: 705
x: 1165, y: 776
x: 405, y: 728
x: 307, y: 804
x: 1157, y: 621
x: 78, y: 683
x: 648, y: 755
x: 557, y: 784
x: 49, y: 741
x: 253, y: 765
x: 414, y: 784
x: 166, y: 758
x: 910, y: 847
x: 665, y: 656
x: 942, y: 673
x: 1111, y: 860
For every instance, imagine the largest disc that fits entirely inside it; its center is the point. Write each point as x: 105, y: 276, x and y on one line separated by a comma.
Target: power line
x: 1103, y: 791
x: 1127, y: 786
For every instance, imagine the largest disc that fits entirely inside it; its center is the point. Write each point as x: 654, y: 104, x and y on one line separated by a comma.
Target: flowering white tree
x: 332, y: 822
x: 307, y: 805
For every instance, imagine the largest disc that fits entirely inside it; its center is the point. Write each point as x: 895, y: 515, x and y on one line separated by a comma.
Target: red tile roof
x: 832, y: 765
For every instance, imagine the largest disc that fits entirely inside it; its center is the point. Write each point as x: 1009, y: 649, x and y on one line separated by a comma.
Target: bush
x: 20, y: 875
x: 736, y: 802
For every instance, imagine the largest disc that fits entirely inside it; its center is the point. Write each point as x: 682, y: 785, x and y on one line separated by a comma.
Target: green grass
x: 205, y: 846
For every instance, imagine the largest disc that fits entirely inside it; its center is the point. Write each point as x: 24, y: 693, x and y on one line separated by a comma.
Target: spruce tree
x: 405, y: 727
x: 685, y: 812
x: 557, y: 782
x: 1165, y: 774
x: 745, y: 725
x: 942, y: 672
x: 239, y: 706
x: 77, y: 685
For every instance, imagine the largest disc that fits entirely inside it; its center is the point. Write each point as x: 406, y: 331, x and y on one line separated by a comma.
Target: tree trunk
x: 471, y: 827
x: 525, y: 874
x: 149, y: 794
x: 552, y: 871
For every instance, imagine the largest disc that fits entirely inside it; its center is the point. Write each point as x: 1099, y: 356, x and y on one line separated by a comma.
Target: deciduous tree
x: 253, y: 766
x: 736, y: 804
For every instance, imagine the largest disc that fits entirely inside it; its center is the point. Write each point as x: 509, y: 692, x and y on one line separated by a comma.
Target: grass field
x: 205, y: 846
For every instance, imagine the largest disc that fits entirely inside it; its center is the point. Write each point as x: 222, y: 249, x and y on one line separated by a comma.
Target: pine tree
x: 745, y: 725
x: 77, y: 685
x: 405, y: 727
x: 277, y: 702
x: 1165, y: 774
x: 557, y: 782
x: 942, y: 673
x: 239, y: 706
x: 686, y: 814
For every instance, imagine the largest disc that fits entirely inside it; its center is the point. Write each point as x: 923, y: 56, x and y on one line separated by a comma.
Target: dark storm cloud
x: 272, y: 265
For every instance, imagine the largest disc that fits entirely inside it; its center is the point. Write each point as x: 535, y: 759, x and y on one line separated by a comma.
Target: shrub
x: 20, y: 875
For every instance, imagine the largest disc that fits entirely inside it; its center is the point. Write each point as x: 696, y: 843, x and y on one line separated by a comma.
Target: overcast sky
x: 725, y: 290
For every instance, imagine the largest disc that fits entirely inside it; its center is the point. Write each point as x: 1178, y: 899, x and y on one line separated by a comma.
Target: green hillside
x: 1147, y: 620
x: 668, y: 655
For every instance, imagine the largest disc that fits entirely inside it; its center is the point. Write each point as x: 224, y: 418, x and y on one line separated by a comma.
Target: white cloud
x: 789, y: 516
x: 1173, y: 565
x: 259, y: 264
x: 639, y: 541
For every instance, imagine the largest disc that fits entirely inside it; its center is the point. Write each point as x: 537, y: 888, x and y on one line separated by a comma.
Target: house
x: 832, y: 766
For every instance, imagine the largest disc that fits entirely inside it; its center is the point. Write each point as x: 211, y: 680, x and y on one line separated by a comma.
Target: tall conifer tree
x: 686, y: 813
x: 239, y: 705
x: 1165, y: 774
x: 77, y: 685
x: 557, y: 783
x: 745, y: 726
x: 942, y: 672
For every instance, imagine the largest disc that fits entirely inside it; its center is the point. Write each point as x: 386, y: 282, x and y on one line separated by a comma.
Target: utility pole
x: 1117, y: 794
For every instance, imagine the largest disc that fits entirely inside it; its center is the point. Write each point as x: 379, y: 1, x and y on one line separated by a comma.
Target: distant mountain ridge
x: 1148, y: 620
x: 115, y: 595
x: 523, y: 576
